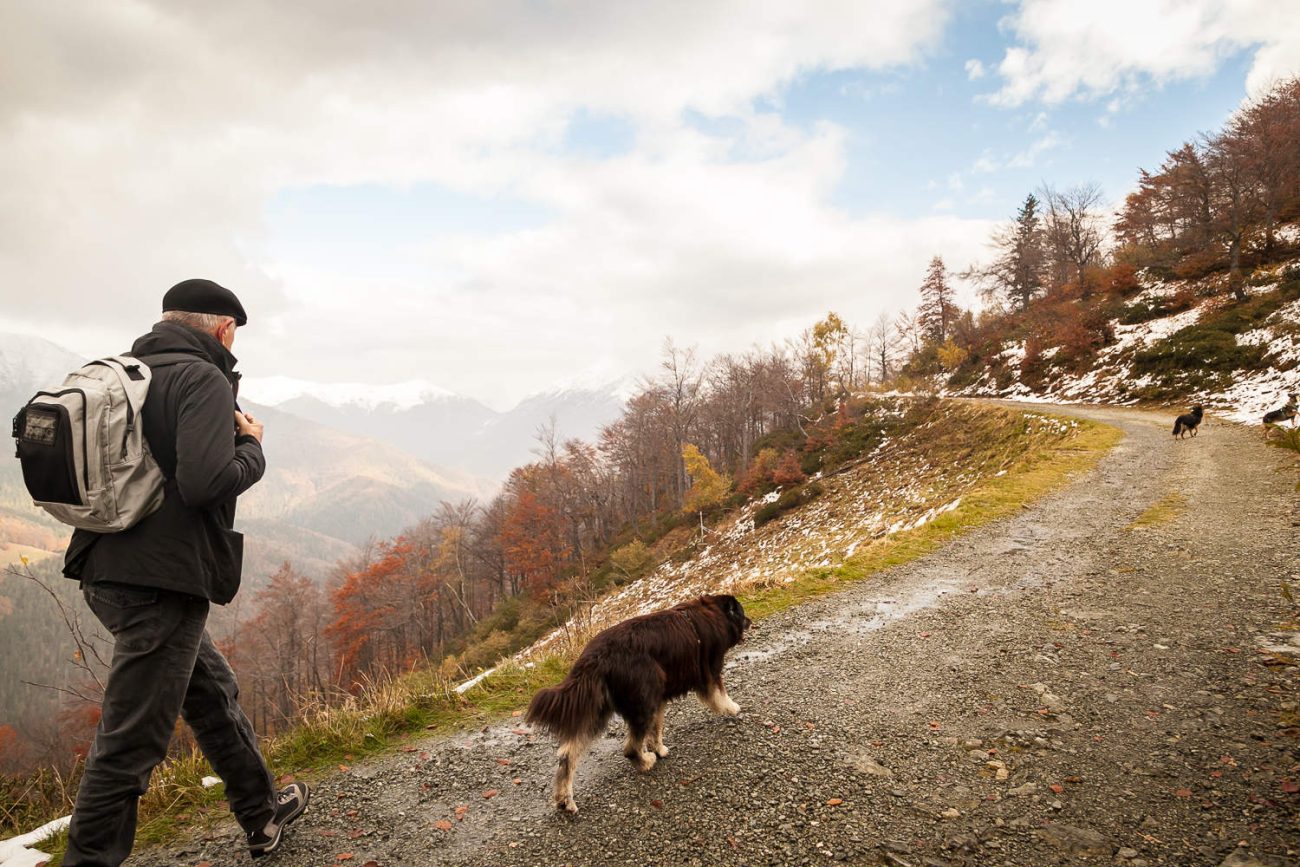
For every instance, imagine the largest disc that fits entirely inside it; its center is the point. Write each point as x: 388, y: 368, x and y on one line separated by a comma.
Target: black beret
x: 204, y: 296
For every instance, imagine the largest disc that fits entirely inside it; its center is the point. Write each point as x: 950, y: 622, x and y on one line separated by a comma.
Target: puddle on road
x: 861, y: 618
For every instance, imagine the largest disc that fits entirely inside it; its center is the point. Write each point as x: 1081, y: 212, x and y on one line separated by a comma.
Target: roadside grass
x: 1036, y: 473
x: 1161, y: 512
x: 388, y: 713
x: 1287, y: 438
x: 382, y: 717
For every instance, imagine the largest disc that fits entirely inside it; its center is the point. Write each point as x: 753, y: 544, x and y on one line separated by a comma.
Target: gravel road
x: 1054, y: 688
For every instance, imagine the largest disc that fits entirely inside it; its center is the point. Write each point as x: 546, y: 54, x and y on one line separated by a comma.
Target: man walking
x: 151, y: 585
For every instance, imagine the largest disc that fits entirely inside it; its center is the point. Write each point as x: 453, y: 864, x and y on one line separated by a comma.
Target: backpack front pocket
x: 46, y: 448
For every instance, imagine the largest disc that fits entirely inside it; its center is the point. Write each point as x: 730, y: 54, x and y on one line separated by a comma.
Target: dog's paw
x: 661, y: 751
x: 646, y: 762
x: 729, y: 708
x: 566, y: 806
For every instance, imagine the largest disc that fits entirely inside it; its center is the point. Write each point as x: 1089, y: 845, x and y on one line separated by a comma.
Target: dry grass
x: 1040, y: 468
x: 1162, y: 512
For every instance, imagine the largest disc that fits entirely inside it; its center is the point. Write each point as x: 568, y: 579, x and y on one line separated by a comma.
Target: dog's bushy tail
x: 1178, y: 426
x: 578, y: 706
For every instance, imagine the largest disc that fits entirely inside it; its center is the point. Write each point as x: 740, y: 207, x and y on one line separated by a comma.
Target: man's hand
x: 248, y: 425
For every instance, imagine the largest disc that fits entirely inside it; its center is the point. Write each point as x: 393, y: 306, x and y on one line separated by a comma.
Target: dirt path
x: 1052, y: 688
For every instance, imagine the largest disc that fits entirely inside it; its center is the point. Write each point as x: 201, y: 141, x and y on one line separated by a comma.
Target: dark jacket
x: 189, y: 544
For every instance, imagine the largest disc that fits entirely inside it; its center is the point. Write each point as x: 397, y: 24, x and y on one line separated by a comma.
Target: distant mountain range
x: 345, y: 462
x: 444, y: 428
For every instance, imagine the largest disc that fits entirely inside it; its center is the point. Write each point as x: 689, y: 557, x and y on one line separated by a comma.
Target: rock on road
x: 1054, y: 688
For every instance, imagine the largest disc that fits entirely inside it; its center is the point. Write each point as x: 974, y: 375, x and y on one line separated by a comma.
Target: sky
x: 505, y: 197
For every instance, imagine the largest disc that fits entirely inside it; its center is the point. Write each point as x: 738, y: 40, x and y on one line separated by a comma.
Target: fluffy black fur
x: 1188, y: 422
x: 632, y: 669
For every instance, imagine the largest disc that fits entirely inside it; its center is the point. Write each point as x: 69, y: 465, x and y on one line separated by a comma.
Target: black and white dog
x: 1188, y: 422
x: 1281, y: 414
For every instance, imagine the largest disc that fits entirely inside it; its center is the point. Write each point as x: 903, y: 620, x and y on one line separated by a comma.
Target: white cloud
x: 1068, y: 49
x: 141, y: 142
x: 1028, y: 157
x: 974, y: 69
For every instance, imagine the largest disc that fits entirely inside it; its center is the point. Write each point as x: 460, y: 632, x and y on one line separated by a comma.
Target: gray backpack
x: 82, y: 446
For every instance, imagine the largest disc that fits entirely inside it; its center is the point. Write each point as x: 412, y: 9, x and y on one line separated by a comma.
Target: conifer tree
x: 937, y: 310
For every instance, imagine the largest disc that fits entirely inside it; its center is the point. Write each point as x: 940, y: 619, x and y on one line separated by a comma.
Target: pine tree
x: 1024, y: 255
x: 937, y: 310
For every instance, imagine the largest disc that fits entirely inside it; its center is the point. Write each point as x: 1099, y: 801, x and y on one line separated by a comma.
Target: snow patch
x: 20, y: 851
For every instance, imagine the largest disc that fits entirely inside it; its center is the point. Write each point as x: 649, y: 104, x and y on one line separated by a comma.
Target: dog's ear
x: 735, y: 611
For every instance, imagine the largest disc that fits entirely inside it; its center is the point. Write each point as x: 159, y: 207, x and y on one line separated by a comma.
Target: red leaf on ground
x: 922, y: 635
x: 657, y: 804
x: 516, y: 713
x: 461, y: 810
x: 517, y: 781
x: 286, y: 779
x: 325, y: 832
x: 935, y: 726
x: 503, y: 761
x: 489, y: 794
x: 344, y: 856
x: 520, y: 731
x: 344, y: 768
x: 1183, y: 793
x: 370, y: 864
x: 1290, y: 786
x: 1057, y: 787
x: 442, y: 825
x: 834, y: 802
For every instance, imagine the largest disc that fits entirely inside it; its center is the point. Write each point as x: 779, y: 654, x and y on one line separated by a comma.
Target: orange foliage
x: 789, y: 472
x: 532, y: 538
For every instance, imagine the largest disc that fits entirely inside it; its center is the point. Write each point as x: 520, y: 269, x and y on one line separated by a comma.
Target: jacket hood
x: 174, y: 337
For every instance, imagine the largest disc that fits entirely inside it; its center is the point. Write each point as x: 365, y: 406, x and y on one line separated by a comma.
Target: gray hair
x: 208, y: 322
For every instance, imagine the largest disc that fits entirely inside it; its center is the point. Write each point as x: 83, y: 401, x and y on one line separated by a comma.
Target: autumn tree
x: 708, y: 486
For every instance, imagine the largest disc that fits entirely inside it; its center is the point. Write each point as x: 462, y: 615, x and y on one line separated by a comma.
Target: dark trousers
x: 164, y: 665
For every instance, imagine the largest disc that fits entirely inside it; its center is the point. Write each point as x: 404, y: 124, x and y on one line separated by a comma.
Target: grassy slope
x: 389, y: 715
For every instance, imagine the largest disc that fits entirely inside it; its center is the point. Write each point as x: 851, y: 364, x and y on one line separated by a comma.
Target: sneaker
x: 289, y: 805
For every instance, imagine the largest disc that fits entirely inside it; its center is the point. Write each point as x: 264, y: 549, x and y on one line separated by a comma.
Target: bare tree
x: 1073, y: 232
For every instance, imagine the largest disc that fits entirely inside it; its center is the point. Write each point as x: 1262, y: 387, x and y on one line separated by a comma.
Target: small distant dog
x: 1281, y: 414
x: 632, y: 669
x: 1188, y: 422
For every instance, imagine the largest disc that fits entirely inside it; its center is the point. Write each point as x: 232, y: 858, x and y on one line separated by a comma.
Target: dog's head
x: 1197, y: 410
x: 735, y: 614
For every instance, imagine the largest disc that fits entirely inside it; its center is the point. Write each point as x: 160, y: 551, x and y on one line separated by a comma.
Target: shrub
x: 1156, y: 308
x: 757, y: 479
x: 791, y: 499
x: 789, y: 471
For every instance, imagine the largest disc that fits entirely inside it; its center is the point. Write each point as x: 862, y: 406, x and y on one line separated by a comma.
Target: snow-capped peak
x: 275, y: 390
x: 28, y: 361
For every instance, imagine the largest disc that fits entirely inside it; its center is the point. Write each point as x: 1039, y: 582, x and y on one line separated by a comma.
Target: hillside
x: 1171, y: 341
